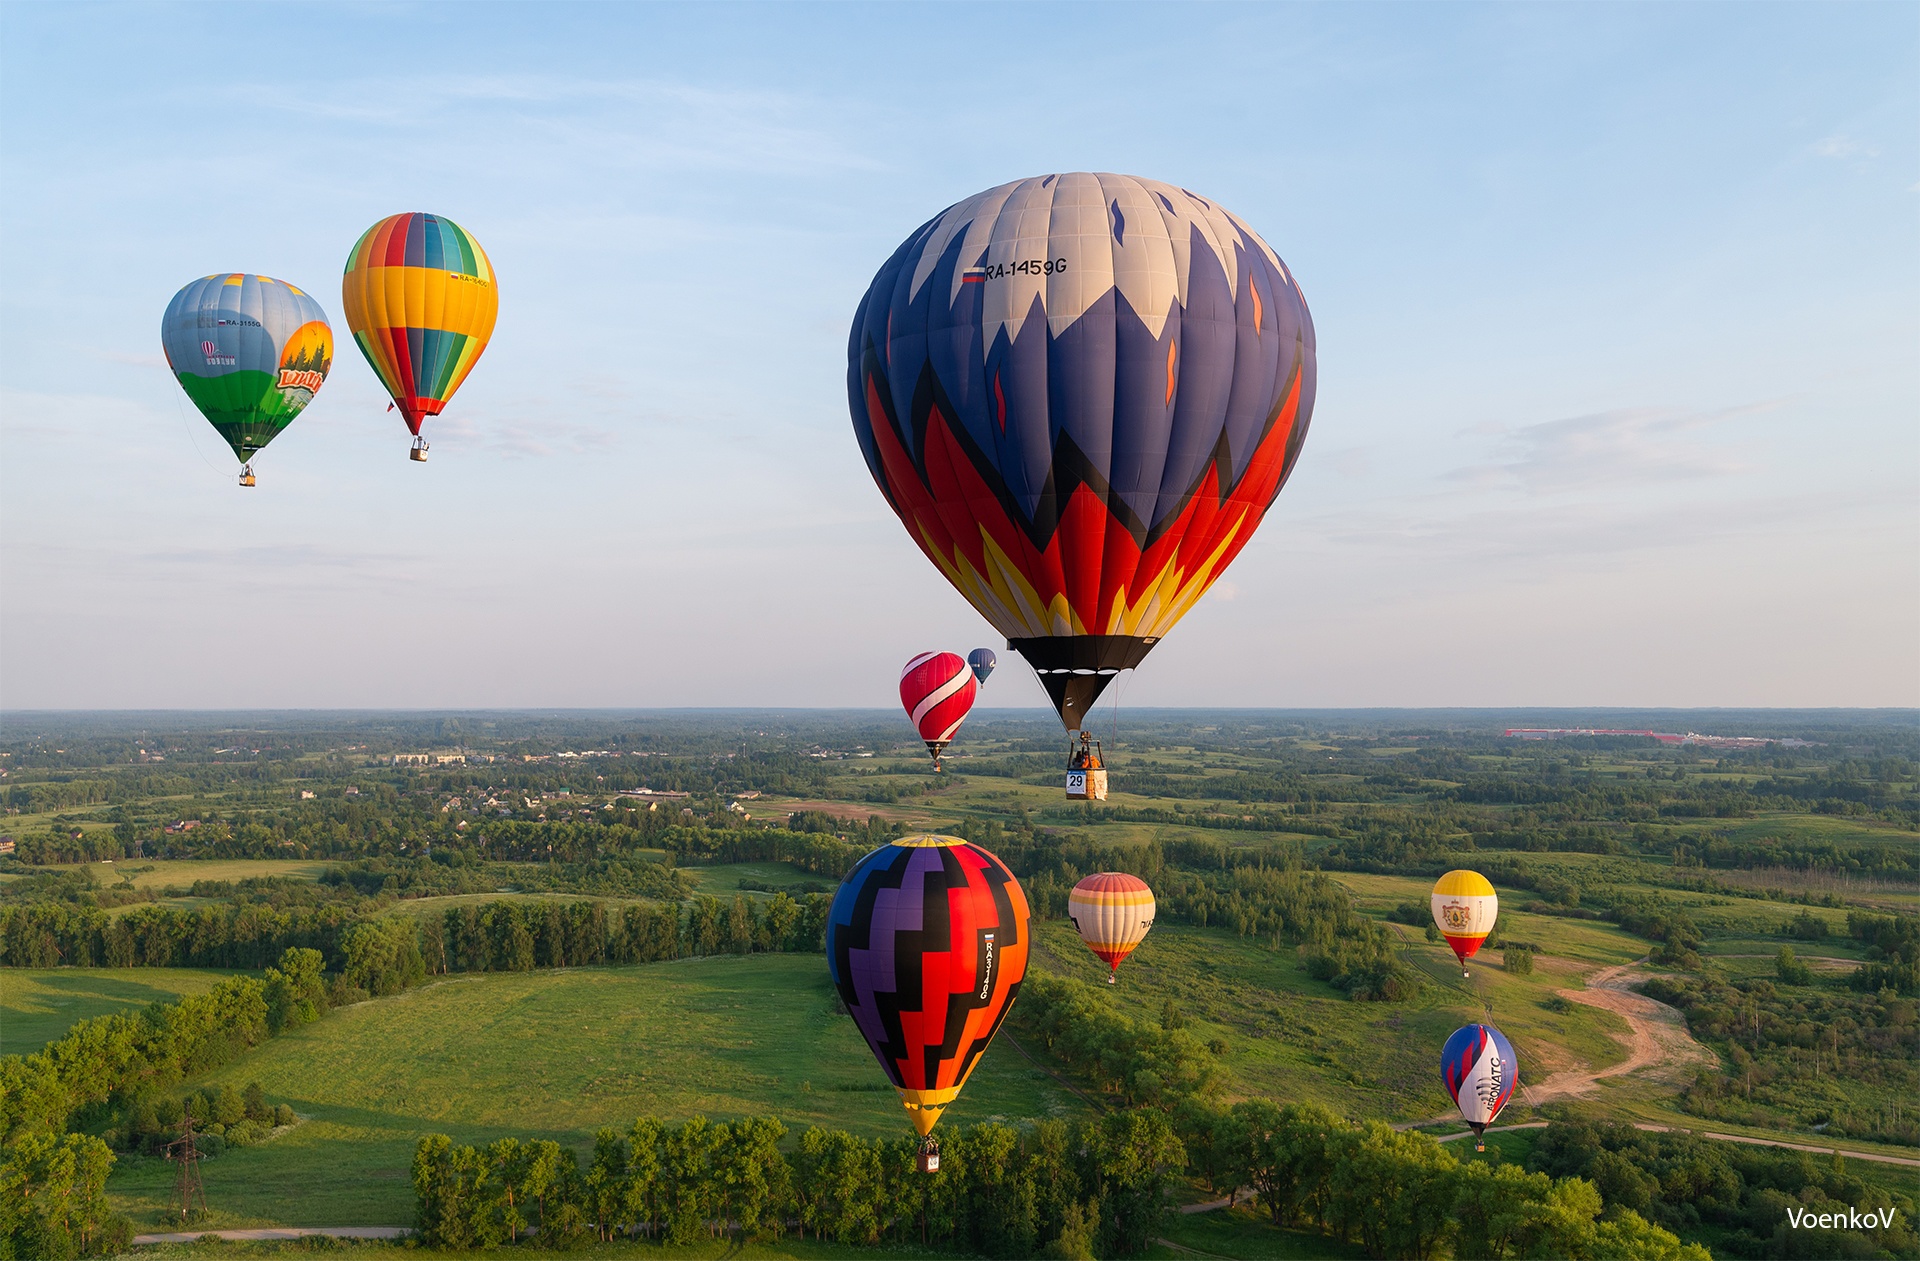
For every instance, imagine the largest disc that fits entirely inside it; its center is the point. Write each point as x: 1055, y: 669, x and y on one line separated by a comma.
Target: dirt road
x: 1658, y: 1046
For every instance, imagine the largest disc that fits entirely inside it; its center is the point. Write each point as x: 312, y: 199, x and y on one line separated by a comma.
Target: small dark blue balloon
x: 982, y: 660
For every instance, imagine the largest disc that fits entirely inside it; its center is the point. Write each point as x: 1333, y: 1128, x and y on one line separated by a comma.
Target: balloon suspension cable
x: 192, y: 438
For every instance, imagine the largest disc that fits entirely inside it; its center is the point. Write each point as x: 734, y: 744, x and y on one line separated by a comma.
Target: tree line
x: 1739, y: 1195
x: 101, y: 1068
x: 500, y: 935
x: 1097, y: 1187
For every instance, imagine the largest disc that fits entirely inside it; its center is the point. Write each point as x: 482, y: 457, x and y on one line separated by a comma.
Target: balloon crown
x: 930, y: 840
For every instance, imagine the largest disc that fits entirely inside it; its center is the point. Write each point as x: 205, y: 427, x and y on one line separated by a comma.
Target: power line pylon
x: 189, y: 1192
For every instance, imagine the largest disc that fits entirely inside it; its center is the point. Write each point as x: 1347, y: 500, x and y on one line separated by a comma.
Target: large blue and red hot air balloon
x: 1480, y: 1070
x: 1080, y: 393
x: 927, y: 943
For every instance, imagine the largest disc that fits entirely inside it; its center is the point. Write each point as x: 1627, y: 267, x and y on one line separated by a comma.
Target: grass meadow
x: 38, y: 1005
x: 555, y: 1055
x: 559, y: 1054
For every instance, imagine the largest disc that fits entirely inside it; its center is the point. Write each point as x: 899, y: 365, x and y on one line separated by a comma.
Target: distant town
x: 1664, y: 737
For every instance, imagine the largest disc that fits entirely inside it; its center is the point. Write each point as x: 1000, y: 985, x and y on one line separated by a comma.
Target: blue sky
x: 1618, y: 308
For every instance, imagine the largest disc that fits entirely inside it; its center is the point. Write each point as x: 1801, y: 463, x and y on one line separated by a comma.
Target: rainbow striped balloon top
x: 421, y: 300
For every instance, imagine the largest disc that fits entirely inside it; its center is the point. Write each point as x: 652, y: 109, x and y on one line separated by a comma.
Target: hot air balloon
x: 982, y: 661
x: 1480, y: 1071
x: 421, y: 300
x: 927, y: 943
x: 937, y: 690
x: 1080, y: 394
x: 1464, y: 908
x: 1112, y: 912
x: 251, y: 352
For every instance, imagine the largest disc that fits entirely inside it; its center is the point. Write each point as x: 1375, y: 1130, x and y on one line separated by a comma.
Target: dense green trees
x: 380, y: 954
x: 1402, y: 1195
x: 1103, y: 1185
x: 108, y: 1056
x: 1678, y: 1182
x: 1803, y: 1048
x: 1136, y: 1061
x: 53, y: 1199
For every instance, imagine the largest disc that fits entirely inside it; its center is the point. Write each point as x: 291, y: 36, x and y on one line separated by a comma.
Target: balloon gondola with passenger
x: 1086, y: 770
x: 1080, y: 394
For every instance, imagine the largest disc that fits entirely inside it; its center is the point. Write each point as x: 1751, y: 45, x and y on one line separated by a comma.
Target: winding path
x: 1658, y: 1044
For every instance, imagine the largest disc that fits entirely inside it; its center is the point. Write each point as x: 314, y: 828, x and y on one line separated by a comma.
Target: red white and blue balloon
x: 1480, y: 1071
x: 937, y: 691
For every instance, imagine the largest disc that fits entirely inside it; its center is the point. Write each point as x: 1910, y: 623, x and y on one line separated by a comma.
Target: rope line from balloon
x: 191, y: 438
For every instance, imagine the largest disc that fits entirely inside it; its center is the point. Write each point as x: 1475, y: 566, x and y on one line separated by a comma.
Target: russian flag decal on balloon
x: 937, y: 690
x: 1480, y: 1071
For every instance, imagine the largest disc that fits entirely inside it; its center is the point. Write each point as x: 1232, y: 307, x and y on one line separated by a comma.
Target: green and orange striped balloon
x: 421, y: 300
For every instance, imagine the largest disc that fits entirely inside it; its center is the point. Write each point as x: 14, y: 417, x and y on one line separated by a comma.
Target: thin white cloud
x: 620, y: 123
x: 514, y: 439
x: 1558, y: 533
x: 1839, y: 145
x: 1639, y: 445
x: 154, y: 360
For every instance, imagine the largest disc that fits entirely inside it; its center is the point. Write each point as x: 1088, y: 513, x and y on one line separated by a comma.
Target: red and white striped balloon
x: 937, y: 690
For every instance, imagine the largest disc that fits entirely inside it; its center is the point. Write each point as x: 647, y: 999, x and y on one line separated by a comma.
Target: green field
x: 37, y: 1006
x: 161, y: 873
x: 1294, y: 1038
x: 555, y: 1055
x: 558, y: 1054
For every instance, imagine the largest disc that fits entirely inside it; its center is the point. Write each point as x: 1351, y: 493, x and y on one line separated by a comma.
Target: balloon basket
x: 246, y: 474
x: 1480, y: 1145
x: 927, y: 1158
x: 1086, y: 771
x: 419, y: 451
